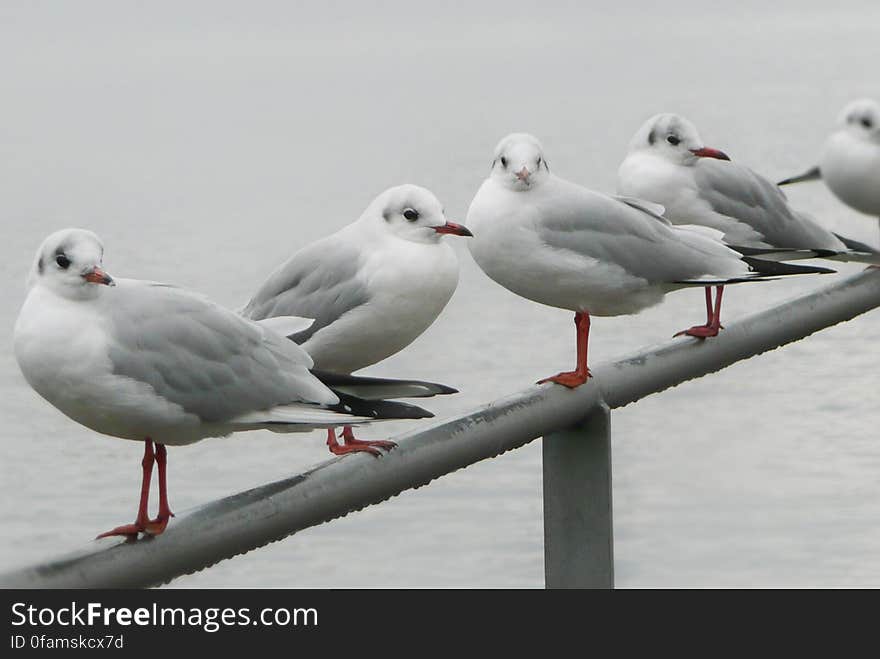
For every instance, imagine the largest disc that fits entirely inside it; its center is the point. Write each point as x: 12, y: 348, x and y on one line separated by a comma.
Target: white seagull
x: 373, y: 287
x: 560, y: 244
x: 850, y: 160
x: 151, y: 362
x: 669, y: 164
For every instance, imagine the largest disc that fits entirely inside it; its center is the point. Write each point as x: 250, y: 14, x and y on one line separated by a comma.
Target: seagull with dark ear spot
x: 700, y: 185
x: 160, y: 365
x: 555, y: 242
x: 372, y: 288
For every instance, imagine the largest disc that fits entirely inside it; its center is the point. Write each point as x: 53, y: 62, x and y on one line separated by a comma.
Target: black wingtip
x: 746, y: 251
x: 779, y: 268
x: 856, y: 246
x: 792, y: 253
x: 363, y: 384
x: 812, y: 174
x: 825, y: 253
x: 378, y: 409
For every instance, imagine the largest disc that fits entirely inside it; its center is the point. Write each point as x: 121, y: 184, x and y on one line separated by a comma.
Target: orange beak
x: 98, y: 276
x: 453, y: 228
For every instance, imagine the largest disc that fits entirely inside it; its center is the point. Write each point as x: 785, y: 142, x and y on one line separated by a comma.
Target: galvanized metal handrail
x: 224, y: 528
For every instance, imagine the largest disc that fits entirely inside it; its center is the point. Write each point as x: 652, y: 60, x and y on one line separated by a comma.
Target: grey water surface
x: 206, y: 141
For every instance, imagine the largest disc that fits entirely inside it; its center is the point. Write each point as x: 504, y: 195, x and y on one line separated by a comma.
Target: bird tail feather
x: 381, y: 388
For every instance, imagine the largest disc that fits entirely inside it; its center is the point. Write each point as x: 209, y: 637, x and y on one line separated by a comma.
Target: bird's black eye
x: 411, y: 214
x: 673, y: 140
x: 867, y: 123
x: 539, y: 162
x: 62, y: 261
x: 504, y: 162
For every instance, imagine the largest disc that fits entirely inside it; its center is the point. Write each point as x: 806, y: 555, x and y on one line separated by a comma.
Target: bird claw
x: 355, y: 448
x: 129, y: 530
x: 380, y: 443
x: 570, y: 379
x: 700, y: 331
x: 152, y: 527
x: 156, y: 526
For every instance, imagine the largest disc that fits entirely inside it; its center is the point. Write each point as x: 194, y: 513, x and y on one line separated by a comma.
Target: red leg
x: 709, y: 315
x: 716, y: 320
x: 340, y: 449
x: 350, y: 440
x: 140, y: 524
x: 577, y: 377
x: 713, y: 317
x: 157, y: 525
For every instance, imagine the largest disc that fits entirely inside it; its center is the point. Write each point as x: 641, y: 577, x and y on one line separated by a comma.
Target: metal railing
x: 575, y: 424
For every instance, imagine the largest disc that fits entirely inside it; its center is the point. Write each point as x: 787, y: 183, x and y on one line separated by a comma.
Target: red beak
x: 706, y: 152
x: 452, y: 227
x: 98, y: 276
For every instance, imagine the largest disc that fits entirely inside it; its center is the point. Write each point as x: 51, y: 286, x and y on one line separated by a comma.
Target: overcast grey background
x: 206, y: 141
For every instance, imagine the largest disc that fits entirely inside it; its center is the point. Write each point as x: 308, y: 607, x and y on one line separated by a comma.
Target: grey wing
x: 655, y: 210
x: 320, y: 282
x: 754, y: 203
x: 614, y: 232
x: 205, y: 358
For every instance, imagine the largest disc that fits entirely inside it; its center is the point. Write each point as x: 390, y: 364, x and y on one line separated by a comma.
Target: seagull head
x: 413, y: 213
x: 673, y: 138
x: 69, y: 262
x: 519, y: 162
x: 861, y: 119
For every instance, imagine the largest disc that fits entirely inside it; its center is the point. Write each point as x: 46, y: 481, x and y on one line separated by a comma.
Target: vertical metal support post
x: 578, y: 533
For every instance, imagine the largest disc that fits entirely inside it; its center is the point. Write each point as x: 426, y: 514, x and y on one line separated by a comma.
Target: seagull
x: 850, y: 160
x: 151, y: 362
x: 560, y: 244
x: 372, y: 288
x: 669, y: 164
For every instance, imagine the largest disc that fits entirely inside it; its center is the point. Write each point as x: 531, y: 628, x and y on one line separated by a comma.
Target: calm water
x: 206, y: 143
